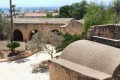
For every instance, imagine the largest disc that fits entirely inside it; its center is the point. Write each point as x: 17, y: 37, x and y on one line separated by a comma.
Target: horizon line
x: 31, y: 6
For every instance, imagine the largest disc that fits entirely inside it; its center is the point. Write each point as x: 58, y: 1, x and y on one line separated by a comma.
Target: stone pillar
x: 26, y: 36
x: 90, y: 34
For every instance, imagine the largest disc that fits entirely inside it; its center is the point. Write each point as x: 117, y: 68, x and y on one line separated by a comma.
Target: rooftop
x: 93, y: 55
x: 42, y: 14
x: 43, y: 20
x: 35, y: 14
x: 82, y: 69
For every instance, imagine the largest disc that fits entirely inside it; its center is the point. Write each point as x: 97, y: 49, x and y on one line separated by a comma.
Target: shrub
x: 13, y: 45
x: 68, y: 39
x: 44, y: 41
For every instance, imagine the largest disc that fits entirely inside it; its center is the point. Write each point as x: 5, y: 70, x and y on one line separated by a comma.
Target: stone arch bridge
x: 24, y: 28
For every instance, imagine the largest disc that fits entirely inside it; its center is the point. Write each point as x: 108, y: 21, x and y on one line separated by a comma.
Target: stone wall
x: 26, y: 28
x: 74, y: 28
x: 106, y: 34
x: 108, y: 31
x: 59, y: 72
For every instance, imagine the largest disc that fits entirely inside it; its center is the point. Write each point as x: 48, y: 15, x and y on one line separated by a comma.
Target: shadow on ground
x: 40, y: 70
x: 19, y: 61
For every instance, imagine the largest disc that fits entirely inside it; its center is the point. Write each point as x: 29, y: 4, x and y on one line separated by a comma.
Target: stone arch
x: 32, y: 32
x: 17, y: 35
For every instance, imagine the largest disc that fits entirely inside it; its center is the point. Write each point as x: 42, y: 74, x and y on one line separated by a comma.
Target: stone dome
x: 93, y: 55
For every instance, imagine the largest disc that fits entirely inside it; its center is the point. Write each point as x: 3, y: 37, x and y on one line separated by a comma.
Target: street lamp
x: 11, y: 16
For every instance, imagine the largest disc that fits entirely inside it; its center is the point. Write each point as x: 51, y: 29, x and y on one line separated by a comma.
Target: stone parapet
x: 106, y: 34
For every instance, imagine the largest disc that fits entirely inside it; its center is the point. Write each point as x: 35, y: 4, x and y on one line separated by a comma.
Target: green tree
x: 68, y: 38
x: 1, y: 23
x: 97, y: 14
x: 116, y: 6
x: 43, y: 40
x: 12, y: 46
x: 13, y: 9
x: 79, y: 9
x: 111, y: 15
x: 4, y: 27
x: 76, y: 10
x: 49, y: 15
x: 65, y: 11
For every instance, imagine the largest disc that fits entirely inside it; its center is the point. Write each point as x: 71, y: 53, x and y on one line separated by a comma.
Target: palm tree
x: 13, y: 9
x: 11, y: 16
x: 13, y: 44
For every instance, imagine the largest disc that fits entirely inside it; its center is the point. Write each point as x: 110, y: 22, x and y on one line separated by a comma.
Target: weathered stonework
x: 59, y: 72
x: 79, y: 61
x: 72, y: 27
x: 107, y: 34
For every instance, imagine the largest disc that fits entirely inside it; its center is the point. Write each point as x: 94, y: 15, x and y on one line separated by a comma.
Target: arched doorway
x: 17, y: 35
x: 32, y: 33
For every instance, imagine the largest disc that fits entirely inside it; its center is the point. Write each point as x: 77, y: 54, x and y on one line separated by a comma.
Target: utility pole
x: 11, y: 16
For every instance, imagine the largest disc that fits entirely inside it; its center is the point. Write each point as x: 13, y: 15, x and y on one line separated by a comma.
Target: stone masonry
x: 72, y: 27
x: 106, y: 34
x: 59, y: 72
x: 79, y: 61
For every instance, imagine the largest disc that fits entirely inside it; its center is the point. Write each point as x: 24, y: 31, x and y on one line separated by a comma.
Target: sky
x: 45, y: 3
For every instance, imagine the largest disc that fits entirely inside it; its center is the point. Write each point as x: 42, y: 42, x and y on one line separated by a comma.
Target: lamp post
x: 11, y: 16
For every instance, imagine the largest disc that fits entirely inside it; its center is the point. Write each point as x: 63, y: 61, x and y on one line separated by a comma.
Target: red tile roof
x: 35, y: 14
x: 38, y: 14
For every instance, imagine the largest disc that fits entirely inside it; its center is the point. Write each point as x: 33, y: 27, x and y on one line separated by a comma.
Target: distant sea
x: 31, y: 8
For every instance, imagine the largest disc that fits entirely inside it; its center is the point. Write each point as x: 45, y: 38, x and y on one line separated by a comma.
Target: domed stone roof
x: 94, y: 55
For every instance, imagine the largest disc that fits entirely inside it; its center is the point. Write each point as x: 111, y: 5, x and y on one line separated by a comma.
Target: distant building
x: 38, y: 15
x: 34, y: 15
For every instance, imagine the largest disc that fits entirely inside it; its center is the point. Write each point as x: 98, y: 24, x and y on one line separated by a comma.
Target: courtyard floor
x: 22, y: 69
